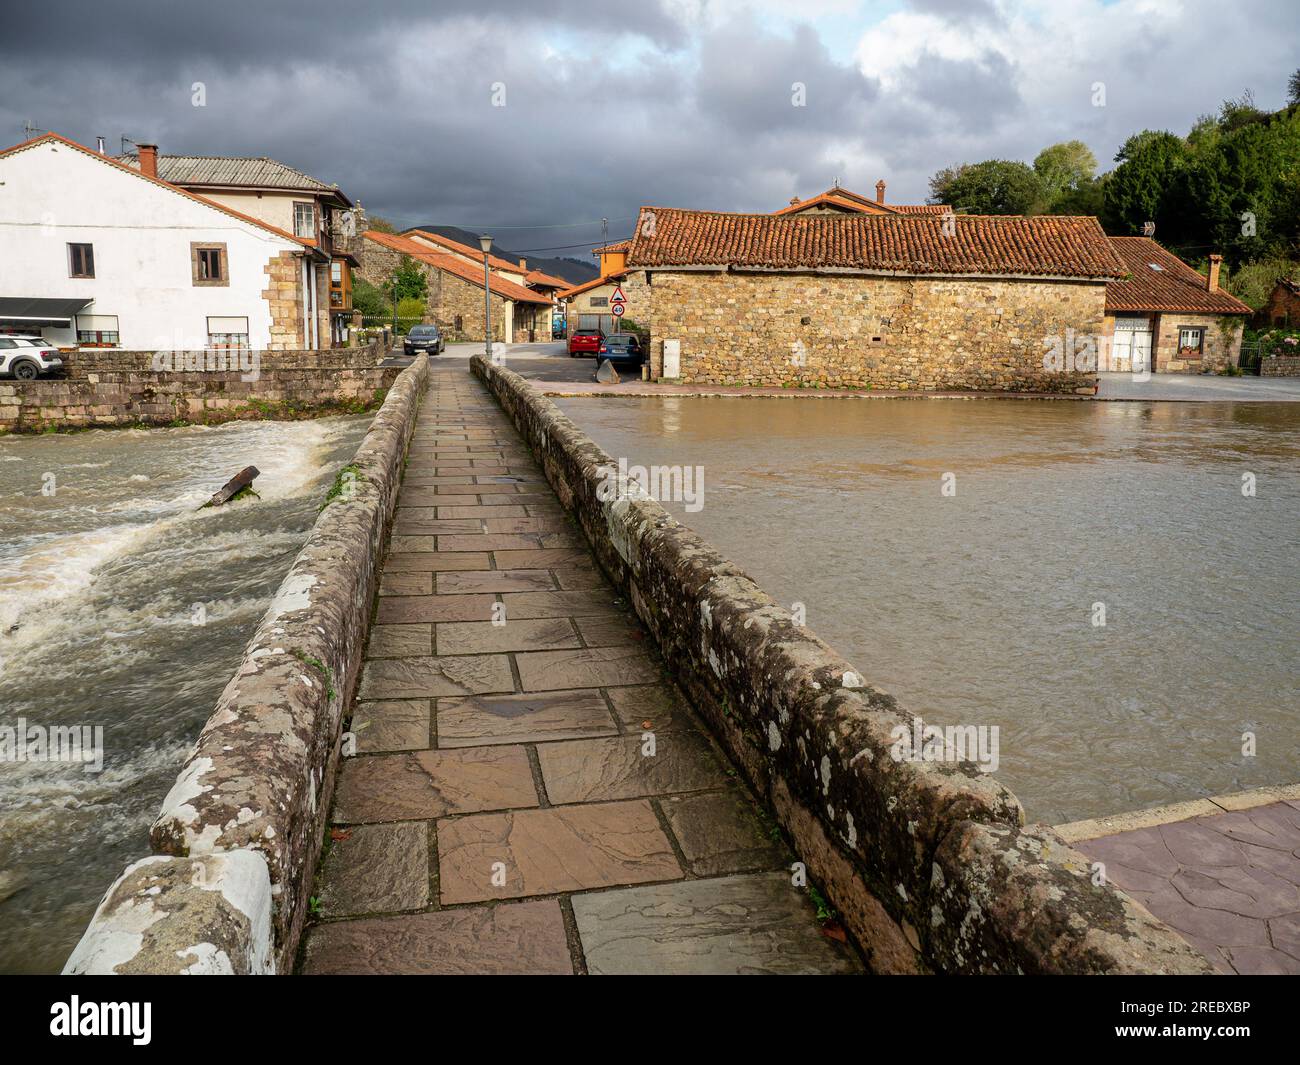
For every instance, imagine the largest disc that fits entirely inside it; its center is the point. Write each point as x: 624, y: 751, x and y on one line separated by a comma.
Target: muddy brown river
x: 124, y: 608
x: 981, y: 606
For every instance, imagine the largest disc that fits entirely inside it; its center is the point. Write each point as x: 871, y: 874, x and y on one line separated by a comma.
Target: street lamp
x: 485, y: 242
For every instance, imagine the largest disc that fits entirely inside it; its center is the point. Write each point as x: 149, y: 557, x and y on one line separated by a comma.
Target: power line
x: 562, y: 247
x: 558, y: 225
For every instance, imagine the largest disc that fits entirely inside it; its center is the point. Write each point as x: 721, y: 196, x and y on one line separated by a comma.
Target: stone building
x: 1167, y: 317
x: 863, y: 300
x: 454, y: 295
x: 1282, y: 309
x: 589, y: 306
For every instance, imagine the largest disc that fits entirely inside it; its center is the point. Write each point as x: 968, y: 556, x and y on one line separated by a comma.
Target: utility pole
x: 485, y: 242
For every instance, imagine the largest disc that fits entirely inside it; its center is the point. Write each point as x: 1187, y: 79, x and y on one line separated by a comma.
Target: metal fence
x: 1251, y: 353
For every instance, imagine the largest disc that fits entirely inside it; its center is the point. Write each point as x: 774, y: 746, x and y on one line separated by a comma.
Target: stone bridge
x: 495, y: 721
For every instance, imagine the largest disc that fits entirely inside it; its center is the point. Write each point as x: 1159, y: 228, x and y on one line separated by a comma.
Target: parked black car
x: 622, y: 347
x: 424, y: 338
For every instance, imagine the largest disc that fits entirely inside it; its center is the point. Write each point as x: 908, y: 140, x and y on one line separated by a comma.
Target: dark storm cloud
x: 607, y: 106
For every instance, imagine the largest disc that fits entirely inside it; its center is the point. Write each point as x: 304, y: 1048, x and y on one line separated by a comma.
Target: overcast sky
x: 683, y: 103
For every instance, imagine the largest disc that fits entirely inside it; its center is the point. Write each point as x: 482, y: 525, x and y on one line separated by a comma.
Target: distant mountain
x: 575, y: 271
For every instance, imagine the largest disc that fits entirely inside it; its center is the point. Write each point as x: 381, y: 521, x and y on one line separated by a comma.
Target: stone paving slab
x: 376, y: 869
x: 544, y: 852
x: 588, y: 668
x: 429, y: 784
x: 411, y: 678
x: 519, y: 939
x: 729, y: 926
x: 722, y: 832
x: 476, y: 637
x: 486, y: 719
x: 392, y: 725
x: 1227, y: 881
x: 628, y: 767
x: 503, y: 762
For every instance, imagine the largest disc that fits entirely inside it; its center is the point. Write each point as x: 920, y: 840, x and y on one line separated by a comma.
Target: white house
x: 93, y: 252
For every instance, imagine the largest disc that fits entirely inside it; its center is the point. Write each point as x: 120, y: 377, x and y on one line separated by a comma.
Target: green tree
x: 1293, y: 89
x: 1149, y: 184
x: 1062, y: 169
x: 995, y: 186
x: 380, y: 224
x: 408, y: 281
x: 369, y: 299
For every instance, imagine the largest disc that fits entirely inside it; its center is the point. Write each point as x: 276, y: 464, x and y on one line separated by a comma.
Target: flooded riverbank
x: 125, y: 608
x: 956, y: 552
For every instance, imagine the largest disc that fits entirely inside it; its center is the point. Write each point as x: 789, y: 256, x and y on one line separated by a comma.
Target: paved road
x: 1201, y: 388
x: 550, y: 363
x: 1224, y: 872
x: 504, y: 812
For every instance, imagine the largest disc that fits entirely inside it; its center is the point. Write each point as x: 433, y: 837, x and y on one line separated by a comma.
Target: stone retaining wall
x: 84, y: 362
x: 105, y: 398
x: 1282, y: 366
x: 929, y: 863
x: 238, y: 838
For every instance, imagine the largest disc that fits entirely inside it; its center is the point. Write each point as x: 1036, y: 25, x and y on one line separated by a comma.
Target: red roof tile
x: 1007, y: 245
x: 444, y: 261
x: 456, y: 247
x: 1173, y: 287
x: 587, y: 286
x: 537, y: 277
x: 853, y: 201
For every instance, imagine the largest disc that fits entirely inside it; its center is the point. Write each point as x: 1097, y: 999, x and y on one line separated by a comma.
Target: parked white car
x: 27, y: 357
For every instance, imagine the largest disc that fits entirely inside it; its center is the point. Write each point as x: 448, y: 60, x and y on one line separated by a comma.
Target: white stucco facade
x: 53, y: 194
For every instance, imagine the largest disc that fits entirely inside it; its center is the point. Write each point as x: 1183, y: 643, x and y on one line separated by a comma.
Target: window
x: 97, y: 331
x: 209, y: 264
x: 1191, y: 340
x: 460, y: 324
x: 598, y: 301
x: 228, y: 333
x: 304, y: 220
x: 336, y: 273
x: 81, y: 260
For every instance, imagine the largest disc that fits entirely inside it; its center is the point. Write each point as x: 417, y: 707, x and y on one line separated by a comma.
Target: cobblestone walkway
x: 1227, y: 879
x: 532, y: 797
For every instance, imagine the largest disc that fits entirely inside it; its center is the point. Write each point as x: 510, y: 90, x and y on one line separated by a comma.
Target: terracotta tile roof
x: 309, y: 245
x: 853, y: 201
x: 620, y: 245
x: 1174, y: 287
x: 587, y: 286
x: 830, y: 199
x: 226, y: 171
x: 536, y: 277
x: 458, y: 248
x: 1007, y: 245
x: 443, y: 261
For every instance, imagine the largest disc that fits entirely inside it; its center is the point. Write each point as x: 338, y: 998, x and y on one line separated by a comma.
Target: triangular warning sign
x: 618, y: 296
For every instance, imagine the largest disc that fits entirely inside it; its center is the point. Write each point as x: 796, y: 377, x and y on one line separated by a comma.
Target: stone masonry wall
x: 930, y: 863
x: 84, y: 363
x: 853, y: 331
x: 283, y: 293
x: 1281, y: 366
x: 1222, y: 347
x: 109, y: 398
x: 227, y: 889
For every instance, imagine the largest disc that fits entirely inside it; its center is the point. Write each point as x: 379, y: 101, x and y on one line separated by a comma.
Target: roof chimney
x: 148, y: 159
x: 1212, y: 282
x: 794, y: 200
x: 523, y: 265
x: 880, y: 192
x: 99, y: 145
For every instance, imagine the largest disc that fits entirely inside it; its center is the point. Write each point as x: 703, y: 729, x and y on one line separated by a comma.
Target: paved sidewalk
x: 1223, y: 872
x: 532, y: 797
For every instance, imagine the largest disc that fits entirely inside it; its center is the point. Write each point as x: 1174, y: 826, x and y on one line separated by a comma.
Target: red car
x: 585, y: 342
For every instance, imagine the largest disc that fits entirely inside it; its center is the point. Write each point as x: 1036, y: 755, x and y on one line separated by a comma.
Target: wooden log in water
x: 243, y: 479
